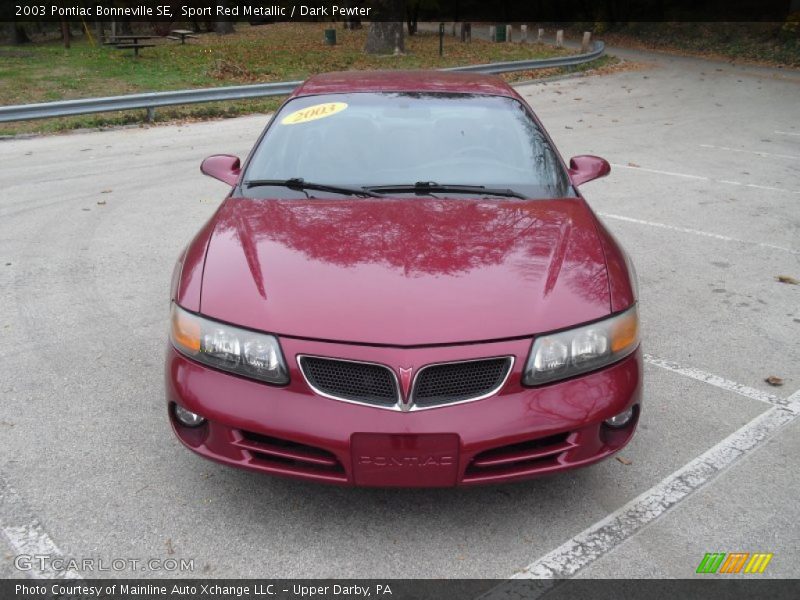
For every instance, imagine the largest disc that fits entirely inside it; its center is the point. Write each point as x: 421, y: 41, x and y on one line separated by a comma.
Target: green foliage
x: 765, y: 42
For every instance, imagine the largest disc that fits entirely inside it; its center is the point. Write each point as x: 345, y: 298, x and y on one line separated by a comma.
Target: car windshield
x: 418, y: 140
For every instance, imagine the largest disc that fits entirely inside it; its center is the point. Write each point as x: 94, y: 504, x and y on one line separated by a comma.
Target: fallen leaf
x: 774, y: 381
x: 170, y: 549
x: 787, y: 279
x: 630, y: 164
x: 101, y: 202
x: 106, y: 191
x: 624, y: 461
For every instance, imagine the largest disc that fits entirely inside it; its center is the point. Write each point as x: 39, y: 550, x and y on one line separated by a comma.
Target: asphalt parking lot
x: 705, y: 195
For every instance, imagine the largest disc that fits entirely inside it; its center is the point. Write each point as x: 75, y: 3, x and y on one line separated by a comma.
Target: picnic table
x: 127, y: 42
x: 181, y: 34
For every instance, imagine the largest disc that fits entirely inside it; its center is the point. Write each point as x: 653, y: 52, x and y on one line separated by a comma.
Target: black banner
x: 503, y: 11
x: 713, y: 587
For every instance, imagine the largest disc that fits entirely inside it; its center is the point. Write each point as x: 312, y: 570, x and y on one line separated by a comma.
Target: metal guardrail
x: 153, y: 100
x: 529, y: 65
x: 150, y: 101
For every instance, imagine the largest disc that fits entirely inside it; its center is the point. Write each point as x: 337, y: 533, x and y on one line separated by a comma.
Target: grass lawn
x: 45, y: 71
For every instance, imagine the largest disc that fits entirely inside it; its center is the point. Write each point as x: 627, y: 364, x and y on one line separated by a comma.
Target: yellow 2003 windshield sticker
x: 312, y: 113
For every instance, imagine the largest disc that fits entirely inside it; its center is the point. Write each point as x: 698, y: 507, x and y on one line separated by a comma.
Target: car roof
x: 405, y: 81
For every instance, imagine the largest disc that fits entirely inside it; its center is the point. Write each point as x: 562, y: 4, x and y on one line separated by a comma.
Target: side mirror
x: 224, y: 167
x: 586, y: 167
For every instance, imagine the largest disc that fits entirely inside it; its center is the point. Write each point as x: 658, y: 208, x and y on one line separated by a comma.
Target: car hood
x: 405, y: 271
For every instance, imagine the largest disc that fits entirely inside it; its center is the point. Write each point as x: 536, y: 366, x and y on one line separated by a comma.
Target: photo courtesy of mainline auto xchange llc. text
x: 206, y: 589
x: 452, y: 300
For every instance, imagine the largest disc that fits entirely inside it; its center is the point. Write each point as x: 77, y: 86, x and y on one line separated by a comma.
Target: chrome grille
x: 377, y: 385
x: 447, y: 383
x: 367, y: 383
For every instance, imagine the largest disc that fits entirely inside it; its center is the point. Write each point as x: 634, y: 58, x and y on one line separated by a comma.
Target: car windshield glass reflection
x: 379, y: 140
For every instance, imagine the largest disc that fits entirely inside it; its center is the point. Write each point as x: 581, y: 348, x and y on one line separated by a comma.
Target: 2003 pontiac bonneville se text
x: 404, y: 287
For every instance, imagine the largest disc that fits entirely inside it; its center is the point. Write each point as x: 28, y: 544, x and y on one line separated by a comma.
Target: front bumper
x: 516, y: 434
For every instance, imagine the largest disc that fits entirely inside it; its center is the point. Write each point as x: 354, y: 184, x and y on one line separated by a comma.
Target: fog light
x: 621, y: 419
x: 187, y: 417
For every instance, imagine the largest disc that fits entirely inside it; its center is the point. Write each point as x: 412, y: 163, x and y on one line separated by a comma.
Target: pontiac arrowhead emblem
x: 405, y: 386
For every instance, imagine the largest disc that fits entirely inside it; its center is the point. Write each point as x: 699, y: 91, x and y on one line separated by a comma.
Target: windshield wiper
x: 424, y: 187
x: 298, y: 183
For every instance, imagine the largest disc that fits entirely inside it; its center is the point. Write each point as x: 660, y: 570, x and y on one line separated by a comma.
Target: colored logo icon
x: 734, y: 562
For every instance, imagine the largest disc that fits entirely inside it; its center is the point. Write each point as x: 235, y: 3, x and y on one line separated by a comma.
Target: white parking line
x: 716, y: 236
x: 716, y: 380
x: 756, y: 152
x: 658, y: 171
x: 608, y: 533
x: 788, y: 132
x: 26, y: 535
x: 702, y: 178
x: 758, y: 187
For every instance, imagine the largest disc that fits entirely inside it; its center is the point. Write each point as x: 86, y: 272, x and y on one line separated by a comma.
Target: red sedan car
x: 404, y: 287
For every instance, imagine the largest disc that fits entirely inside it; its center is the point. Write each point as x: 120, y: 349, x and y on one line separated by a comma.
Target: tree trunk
x: 65, y: 35
x: 20, y: 35
x: 384, y: 36
x: 352, y: 22
x: 412, y: 18
x: 386, y: 31
x: 223, y: 27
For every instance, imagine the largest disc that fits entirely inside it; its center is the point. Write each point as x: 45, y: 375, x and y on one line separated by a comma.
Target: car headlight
x: 560, y: 355
x: 241, y: 351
